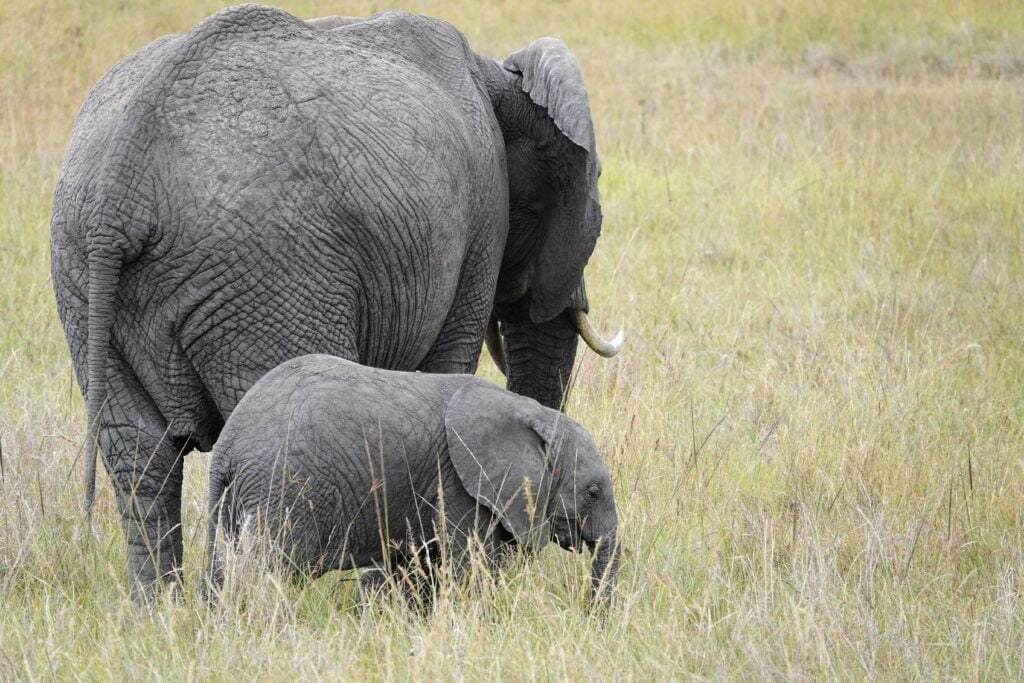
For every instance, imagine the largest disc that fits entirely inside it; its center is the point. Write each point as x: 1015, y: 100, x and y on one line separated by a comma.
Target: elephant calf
x: 343, y: 466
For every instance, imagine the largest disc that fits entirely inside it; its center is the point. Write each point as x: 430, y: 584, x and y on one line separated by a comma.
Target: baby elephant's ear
x: 499, y: 457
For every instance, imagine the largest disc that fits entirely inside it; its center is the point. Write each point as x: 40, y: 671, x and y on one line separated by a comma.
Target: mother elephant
x: 260, y: 188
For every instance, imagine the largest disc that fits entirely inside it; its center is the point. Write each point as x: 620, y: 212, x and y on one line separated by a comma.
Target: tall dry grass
x: 814, y: 238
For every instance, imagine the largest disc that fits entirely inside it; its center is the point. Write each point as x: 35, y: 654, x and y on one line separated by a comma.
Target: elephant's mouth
x: 569, y: 538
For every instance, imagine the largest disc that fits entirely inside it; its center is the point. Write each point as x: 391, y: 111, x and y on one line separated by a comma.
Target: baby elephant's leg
x: 420, y: 576
x: 477, y: 540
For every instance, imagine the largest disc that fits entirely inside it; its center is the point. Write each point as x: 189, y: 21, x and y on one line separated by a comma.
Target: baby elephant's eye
x: 593, y: 492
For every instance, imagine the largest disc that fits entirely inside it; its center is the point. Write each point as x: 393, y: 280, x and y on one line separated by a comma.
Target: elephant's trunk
x: 539, y: 358
x: 605, y: 567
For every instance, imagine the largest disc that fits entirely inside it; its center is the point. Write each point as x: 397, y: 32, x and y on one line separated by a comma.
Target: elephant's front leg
x: 146, y: 467
x: 469, y: 547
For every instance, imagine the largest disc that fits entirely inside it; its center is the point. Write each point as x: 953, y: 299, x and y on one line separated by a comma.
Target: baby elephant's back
x: 323, y: 402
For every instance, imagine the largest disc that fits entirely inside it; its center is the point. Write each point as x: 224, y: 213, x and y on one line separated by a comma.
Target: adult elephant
x: 260, y: 188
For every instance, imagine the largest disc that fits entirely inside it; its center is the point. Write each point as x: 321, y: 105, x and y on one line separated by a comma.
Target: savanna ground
x: 814, y: 235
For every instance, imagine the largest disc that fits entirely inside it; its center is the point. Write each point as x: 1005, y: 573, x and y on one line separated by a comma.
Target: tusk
x: 495, y: 346
x: 599, y: 344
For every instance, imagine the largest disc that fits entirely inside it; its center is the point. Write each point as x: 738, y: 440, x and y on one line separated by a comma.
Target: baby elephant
x: 344, y: 466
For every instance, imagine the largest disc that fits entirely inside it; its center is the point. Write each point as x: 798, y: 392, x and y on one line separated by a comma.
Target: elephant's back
x: 333, y: 126
x: 324, y: 404
x: 253, y: 106
x: 319, y: 391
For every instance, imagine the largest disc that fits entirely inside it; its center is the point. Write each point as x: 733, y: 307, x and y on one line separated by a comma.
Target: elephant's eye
x: 593, y: 492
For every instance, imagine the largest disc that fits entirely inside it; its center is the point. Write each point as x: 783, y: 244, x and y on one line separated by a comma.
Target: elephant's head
x: 538, y: 471
x: 541, y: 106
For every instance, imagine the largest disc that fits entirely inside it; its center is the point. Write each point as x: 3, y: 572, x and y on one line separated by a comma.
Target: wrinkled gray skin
x: 262, y: 187
x: 344, y: 466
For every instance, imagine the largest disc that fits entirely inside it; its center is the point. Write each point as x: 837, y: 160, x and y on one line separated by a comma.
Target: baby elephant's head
x: 537, y: 470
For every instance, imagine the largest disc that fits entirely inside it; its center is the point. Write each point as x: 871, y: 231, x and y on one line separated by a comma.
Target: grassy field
x: 814, y: 238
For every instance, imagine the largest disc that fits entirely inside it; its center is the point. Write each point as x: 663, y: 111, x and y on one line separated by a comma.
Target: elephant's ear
x: 500, y: 457
x: 552, y: 79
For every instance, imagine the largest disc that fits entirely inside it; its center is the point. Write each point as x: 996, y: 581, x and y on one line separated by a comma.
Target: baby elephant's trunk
x: 605, y: 567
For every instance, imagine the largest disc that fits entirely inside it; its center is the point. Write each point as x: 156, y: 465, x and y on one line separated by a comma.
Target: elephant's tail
x: 104, y: 270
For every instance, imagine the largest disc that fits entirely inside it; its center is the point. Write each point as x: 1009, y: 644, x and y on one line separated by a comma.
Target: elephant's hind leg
x: 457, y: 347
x: 146, y: 466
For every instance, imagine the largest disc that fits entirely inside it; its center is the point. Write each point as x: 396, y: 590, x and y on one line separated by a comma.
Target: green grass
x: 814, y: 238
